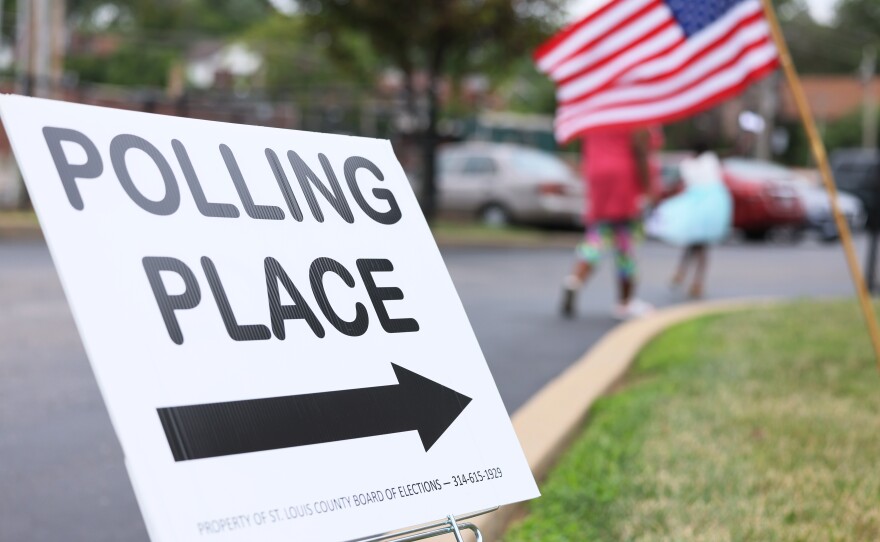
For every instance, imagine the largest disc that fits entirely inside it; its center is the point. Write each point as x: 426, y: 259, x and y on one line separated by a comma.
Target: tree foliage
x: 153, y: 33
x: 127, y: 66
x: 526, y: 90
x: 436, y: 39
x: 298, y: 61
x: 211, y: 17
x: 816, y: 48
x: 860, y: 19
x: 443, y: 36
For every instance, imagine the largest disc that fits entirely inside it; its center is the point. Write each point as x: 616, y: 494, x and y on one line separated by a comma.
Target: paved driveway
x: 62, y: 475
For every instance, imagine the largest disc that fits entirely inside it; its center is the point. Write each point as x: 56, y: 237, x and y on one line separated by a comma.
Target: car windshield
x: 536, y: 163
x: 757, y: 170
x: 465, y: 162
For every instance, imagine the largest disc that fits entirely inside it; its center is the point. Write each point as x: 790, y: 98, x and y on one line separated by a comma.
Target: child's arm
x: 642, y: 148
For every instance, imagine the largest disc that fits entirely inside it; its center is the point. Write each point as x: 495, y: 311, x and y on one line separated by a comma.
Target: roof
x: 831, y: 96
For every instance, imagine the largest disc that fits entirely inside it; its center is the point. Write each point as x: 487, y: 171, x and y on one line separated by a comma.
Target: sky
x: 822, y: 10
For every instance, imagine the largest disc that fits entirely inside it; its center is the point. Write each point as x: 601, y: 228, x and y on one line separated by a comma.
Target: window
x: 540, y: 164
x: 478, y: 165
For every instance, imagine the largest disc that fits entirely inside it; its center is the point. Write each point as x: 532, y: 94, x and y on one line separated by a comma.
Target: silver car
x: 817, y: 205
x: 503, y: 183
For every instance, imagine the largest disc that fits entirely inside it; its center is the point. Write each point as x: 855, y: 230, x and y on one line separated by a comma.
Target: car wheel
x: 792, y: 235
x: 495, y: 216
x: 828, y: 232
x: 755, y: 235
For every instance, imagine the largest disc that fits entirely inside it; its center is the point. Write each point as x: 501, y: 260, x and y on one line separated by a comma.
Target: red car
x: 762, y: 199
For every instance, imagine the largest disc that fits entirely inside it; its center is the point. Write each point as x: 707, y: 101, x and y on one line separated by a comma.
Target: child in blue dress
x: 696, y: 218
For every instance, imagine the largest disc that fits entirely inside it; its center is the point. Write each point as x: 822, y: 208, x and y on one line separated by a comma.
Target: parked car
x: 503, y: 183
x: 857, y: 171
x: 819, y: 216
x: 763, y: 198
x: 814, y: 199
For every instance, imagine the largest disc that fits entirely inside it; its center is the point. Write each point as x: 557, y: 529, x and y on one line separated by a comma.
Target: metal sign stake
x: 451, y: 525
x: 455, y: 530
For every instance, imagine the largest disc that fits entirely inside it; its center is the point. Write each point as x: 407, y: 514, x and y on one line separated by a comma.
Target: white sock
x: 571, y: 282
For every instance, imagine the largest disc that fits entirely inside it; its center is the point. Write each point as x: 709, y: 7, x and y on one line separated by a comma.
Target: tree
x: 816, y: 48
x: 298, y: 61
x: 211, y: 17
x: 154, y: 34
x: 436, y: 38
x: 860, y: 19
x: 526, y: 90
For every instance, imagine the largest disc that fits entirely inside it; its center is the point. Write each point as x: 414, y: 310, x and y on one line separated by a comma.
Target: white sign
x: 279, y: 344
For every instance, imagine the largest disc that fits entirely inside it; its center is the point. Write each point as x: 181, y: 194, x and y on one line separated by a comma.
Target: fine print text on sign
x: 280, y: 347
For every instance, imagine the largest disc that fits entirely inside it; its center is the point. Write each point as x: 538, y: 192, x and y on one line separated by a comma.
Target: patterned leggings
x: 621, y: 235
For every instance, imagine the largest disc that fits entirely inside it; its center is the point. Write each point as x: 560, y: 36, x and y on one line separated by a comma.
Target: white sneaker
x: 636, y: 308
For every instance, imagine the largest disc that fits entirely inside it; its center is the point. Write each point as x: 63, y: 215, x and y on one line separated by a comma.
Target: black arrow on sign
x: 415, y: 403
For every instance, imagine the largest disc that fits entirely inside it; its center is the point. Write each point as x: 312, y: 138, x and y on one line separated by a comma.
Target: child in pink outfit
x: 612, y: 176
x: 618, y: 174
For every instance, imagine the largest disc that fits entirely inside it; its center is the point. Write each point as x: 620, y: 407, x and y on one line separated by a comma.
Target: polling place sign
x: 278, y: 342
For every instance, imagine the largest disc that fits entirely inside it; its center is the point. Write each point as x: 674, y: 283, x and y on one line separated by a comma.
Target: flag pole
x: 821, y: 157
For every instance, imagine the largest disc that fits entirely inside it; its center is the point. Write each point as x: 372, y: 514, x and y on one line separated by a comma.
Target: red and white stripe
x: 629, y: 63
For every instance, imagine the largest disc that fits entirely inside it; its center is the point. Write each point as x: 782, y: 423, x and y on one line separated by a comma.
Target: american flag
x: 637, y: 62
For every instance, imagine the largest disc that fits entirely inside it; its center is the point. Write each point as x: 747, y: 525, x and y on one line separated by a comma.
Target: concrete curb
x: 555, y: 415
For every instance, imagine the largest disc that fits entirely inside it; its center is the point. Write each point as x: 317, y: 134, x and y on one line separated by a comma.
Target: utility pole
x: 39, y: 46
x: 24, y: 32
x: 767, y: 105
x: 23, y: 38
x: 39, y: 49
x: 42, y: 51
x: 59, y: 45
x: 869, y: 102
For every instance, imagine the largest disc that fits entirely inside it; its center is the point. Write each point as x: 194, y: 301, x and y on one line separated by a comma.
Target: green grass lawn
x: 761, y: 425
x: 18, y: 217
